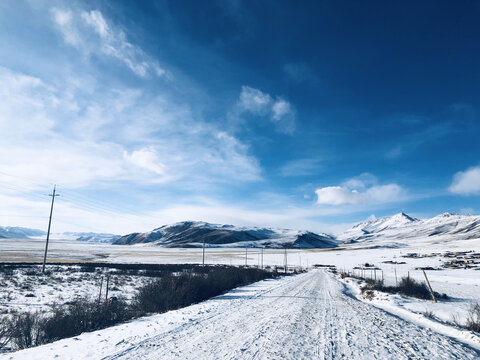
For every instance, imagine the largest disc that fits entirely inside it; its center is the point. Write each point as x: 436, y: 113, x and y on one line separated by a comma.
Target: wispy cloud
x: 254, y: 101
x: 109, y: 135
x: 413, y: 141
x: 301, y: 167
x: 280, y: 111
x: 299, y: 72
x: 91, y: 33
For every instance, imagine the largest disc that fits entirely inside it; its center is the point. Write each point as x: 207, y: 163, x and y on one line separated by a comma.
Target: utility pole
x: 246, y: 252
x: 203, y: 258
x: 48, y: 232
x: 285, y: 260
x: 262, y: 257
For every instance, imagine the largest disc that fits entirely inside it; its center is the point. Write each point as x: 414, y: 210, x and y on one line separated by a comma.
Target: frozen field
x: 307, y: 316
x: 25, y: 289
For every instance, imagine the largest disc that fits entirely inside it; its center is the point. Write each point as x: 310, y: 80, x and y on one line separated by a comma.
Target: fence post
x: 106, y: 290
x: 429, y: 287
x: 100, y: 293
x: 396, y: 279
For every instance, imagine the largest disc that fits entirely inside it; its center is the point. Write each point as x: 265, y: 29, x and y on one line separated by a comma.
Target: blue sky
x: 309, y: 115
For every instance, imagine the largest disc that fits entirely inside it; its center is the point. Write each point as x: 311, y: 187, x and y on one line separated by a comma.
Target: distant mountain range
x: 399, y: 227
x: 194, y: 233
x: 90, y: 237
x: 14, y: 232
x: 396, y: 230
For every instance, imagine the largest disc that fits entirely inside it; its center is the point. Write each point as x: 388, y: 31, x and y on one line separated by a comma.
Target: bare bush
x: 5, y: 332
x: 84, y: 315
x: 407, y: 286
x: 473, y: 318
x: 25, y: 330
x: 429, y: 314
x: 456, y: 321
x: 369, y: 294
x: 172, y: 292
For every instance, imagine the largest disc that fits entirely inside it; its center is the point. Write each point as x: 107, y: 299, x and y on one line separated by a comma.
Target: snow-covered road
x: 309, y: 316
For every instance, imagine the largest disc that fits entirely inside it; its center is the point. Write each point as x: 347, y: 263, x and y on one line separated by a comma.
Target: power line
x: 74, y: 199
x: 109, y: 213
x: 22, y: 191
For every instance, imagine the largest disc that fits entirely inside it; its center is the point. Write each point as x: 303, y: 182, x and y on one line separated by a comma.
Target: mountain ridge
x: 194, y: 233
x: 403, y: 227
x: 395, y: 228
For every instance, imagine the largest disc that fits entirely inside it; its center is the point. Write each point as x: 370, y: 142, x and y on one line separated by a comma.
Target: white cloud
x: 466, y: 182
x: 96, y: 20
x: 359, y: 192
x: 337, y: 195
x: 255, y: 101
x: 361, y: 182
x: 279, y: 111
x: 146, y: 158
x: 64, y: 20
x: 90, y: 32
x: 284, y: 116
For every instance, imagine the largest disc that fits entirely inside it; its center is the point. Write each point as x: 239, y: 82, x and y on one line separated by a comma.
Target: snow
x: 311, y: 315
x: 27, y: 290
x: 413, y: 310
x: 403, y: 229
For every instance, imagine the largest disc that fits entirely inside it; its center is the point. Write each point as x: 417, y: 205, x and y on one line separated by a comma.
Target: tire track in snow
x: 308, y: 316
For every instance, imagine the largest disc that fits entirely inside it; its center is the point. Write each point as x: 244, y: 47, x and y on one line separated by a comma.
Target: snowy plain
x: 307, y: 316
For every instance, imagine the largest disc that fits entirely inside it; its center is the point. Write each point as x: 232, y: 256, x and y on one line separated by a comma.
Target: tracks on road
x: 308, y: 316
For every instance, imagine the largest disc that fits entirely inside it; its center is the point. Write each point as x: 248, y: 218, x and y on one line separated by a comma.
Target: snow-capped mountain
x: 402, y: 226
x: 15, y: 232
x: 194, y: 233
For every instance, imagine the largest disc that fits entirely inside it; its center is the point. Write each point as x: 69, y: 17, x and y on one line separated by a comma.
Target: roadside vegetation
x: 406, y: 286
x: 472, y: 321
x: 170, y: 287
